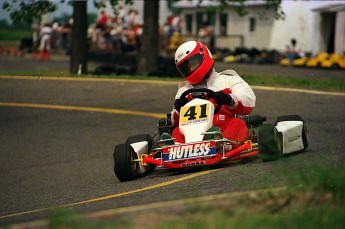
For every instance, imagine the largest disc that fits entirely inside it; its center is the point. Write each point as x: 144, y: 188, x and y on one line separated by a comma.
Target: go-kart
x: 141, y: 154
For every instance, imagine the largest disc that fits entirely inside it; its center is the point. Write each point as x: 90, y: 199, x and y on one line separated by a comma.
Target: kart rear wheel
x: 125, y: 167
x: 141, y: 138
x: 304, y: 130
x: 268, y: 146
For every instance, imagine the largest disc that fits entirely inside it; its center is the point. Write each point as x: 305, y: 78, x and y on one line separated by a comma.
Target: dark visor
x: 190, y: 65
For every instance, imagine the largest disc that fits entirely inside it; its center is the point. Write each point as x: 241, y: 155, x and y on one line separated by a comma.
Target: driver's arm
x: 179, y: 102
x: 242, y: 94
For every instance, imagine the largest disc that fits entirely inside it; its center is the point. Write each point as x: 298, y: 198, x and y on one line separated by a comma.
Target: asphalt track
x: 58, y: 135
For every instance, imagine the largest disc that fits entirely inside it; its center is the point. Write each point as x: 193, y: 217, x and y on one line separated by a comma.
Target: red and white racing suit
x: 244, y: 102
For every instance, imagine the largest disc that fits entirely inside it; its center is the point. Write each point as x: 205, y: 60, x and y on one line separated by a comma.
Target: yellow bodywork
x: 334, y: 61
x: 300, y: 62
x: 230, y: 59
x: 316, y: 61
x: 285, y: 62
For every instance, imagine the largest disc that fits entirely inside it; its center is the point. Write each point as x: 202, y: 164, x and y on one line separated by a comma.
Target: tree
x: 78, y: 61
x: 150, y: 38
x: 240, y: 7
x: 28, y: 11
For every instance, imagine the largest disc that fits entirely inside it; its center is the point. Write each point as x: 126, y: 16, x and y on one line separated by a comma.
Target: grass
x: 311, y: 200
x: 321, y: 180
x: 13, y: 34
x: 56, y: 72
x: 307, y: 83
x: 320, y: 84
x: 294, y: 218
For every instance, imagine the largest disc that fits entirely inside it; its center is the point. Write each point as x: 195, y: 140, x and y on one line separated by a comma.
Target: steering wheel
x: 200, y: 93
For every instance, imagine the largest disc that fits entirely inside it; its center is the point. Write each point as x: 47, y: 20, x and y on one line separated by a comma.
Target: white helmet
x: 194, y: 61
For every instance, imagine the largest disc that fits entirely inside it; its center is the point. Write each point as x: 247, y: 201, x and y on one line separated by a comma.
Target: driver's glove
x: 180, y: 103
x: 221, y: 98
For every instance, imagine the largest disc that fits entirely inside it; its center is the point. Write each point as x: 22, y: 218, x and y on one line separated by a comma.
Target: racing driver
x: 195, y: 63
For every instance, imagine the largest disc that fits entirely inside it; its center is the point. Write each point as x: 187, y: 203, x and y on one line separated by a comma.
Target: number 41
x: 192, y: 114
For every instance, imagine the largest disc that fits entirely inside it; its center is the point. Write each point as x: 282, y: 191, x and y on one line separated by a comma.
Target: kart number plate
x: 189, y: 151
x: 195, y: 114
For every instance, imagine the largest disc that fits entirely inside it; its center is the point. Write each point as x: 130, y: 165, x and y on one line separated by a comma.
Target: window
x: 252, y: 24
x: 199, y: 20
x: 211, y: 19
x: 189, y: 21
x: 223, y: 24
x: 205, y: 17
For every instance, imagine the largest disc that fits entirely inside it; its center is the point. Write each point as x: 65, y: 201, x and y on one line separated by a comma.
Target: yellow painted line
x: 89, y: 109
x: 115, y: 195
x: 266, y: 88
x: 315, y: 92
x: 165, y: 204
x: 90, y: 79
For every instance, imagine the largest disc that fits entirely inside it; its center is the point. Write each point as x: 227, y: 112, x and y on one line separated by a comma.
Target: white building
x: 318, y: 26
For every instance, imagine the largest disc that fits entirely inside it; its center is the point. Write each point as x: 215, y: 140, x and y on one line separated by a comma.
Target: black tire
x: 304, y: 130
x: 124, y: 166
x: 268, y: 146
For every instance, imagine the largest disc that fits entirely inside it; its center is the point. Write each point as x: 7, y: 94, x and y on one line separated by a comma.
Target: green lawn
x: 311, y: 200
x: 305, y: 83
x: 12, y: 34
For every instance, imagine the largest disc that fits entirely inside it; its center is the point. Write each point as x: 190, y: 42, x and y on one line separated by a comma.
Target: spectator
x: 107, y: 37
x: 176, y: 24
x: 174, y: 42
x: 36, y: 28
x: 116, y: 34
x: 293, y: 52
x: 132, y: 31
x: 102, y: 21
x: 92, y: 36
x: 164, y: 33
x: 45, y: 41
x: 54, y: 36
x: 130, y: 42
x: 129, y: 19
x: 121, y: 13
x: 66, y: 36
x: 206, y: 36
x: 133, y: 20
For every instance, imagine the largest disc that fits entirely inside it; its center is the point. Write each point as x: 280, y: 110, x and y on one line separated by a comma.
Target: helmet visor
x: 190, y: 65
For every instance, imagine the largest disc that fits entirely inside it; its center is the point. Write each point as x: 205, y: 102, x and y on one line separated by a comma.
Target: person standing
x: 45, y: 41
x: 36, y: 28
x: 206, y: 36
x: 293, y: 52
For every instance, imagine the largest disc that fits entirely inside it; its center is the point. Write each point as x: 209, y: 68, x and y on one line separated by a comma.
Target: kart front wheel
x: 140, y: 138
x: 125, y: 166
x: 269, y: 149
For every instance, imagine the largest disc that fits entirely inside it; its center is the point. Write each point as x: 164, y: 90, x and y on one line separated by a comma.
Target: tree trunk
x: 78, y: 62
x: 150, y: 38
